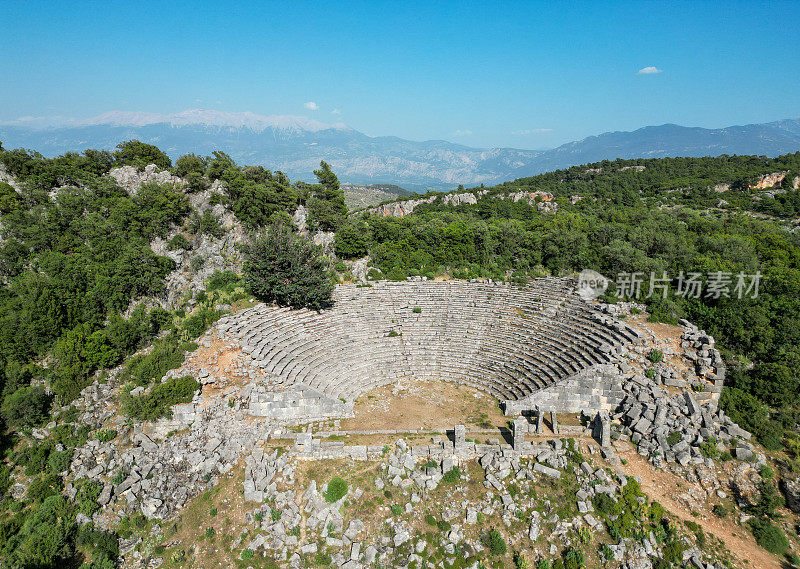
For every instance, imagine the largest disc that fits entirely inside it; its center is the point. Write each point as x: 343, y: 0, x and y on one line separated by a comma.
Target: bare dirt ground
x: 415, y: 404
x: 664, y: 487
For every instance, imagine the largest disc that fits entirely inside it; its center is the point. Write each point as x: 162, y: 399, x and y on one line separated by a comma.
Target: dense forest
x: 76, y: 253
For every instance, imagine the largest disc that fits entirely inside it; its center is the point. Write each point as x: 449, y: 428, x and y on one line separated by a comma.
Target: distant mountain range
x: 296, y: 145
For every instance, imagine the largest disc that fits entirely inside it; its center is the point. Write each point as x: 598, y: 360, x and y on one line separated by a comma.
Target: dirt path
x: 661, y: 486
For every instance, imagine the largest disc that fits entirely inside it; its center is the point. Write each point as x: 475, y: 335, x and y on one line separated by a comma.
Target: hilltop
x: 157, y: 413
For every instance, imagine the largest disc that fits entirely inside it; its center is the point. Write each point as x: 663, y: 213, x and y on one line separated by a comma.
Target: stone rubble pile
x: 698, y: 347
x: 351, y: 546
x: 179, y: 458
x: 674, y: 428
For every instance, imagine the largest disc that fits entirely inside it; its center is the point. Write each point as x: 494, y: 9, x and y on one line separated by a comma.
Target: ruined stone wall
x: 596, y: 388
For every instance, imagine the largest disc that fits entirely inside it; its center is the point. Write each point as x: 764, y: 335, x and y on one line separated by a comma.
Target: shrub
x: 573, y: 558
x: 430, y: 520
x: 158, y: 206
x: 496, y: 543
x: 86, y: 498
x: 178, y: 242
x: 27, y: 406
x: 105, y: 435
x: 336, y: 490
x: 287, y: 269
x: 452, y: 476
x: 190, y: 163
x: 521, y: 560
x: 656, y: 513
x: 44, y: 487
x: 58, y: 462
x: 604, y: 503
x: 162, y: 396
x: 207, y: 224
x: 139, y: 154
x: 351, y: 240
x: 709, y: 448
x: 397, y: 509
x: 769, y: 498
x: 769, y: 536
x: 417, y: 310
x: 719, y: 510
x: 167, y: 354
x: 247, y: 555
x: 673, y: 438
x: 222, y: 280
x: 200, y: 321
x: 655, y: 356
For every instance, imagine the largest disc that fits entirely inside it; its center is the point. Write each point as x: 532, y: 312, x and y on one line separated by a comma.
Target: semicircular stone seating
x: 507, y: 340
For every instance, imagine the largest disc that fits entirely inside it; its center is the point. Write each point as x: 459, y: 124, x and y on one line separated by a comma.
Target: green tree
x: 139, y: 154
x: 27, y: 406
x: 351, y: 240
x: 327, y: 210
x: 192, y: 168
x: 283, y: 267
x: 47, y: 537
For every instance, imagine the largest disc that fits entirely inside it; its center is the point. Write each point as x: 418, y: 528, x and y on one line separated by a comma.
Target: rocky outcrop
x: 768, y: 181
x: 130, y: 179
x: 545, y: 202
x: 399, y: 209
x: 300, y: 217
x: 8, y: 179
x: 675, y: 428
x: 791, y: 490
x: 206, y: 253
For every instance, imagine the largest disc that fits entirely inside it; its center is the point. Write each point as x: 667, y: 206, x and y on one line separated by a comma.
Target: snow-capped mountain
x: 296, y: 145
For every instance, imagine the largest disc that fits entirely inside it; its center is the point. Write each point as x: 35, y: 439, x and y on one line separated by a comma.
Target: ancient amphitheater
x: 511, y: 341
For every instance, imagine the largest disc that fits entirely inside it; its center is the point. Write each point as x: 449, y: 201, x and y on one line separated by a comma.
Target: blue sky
x: 521, y: 74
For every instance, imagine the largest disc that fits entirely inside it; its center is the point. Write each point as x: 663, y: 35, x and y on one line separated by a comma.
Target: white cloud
x: 311, y: 106
x: 336, y: 112
x: 528, y: 131
x: 465, y: 132
x: 651, y: 70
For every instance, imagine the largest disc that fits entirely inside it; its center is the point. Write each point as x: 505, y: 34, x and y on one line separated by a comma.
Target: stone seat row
x: 508, y: 341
